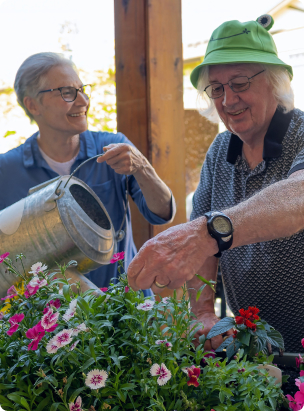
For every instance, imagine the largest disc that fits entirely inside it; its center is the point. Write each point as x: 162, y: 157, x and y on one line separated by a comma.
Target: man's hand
x: 172, y: 257
x: 123, y: 158
x: 209, y: 320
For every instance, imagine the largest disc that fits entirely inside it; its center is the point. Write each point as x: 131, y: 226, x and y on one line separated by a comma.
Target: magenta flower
x: 35, y: 333
x: 162, y: 372
x: 165, y: 300
x: 301, y: 373
x: 96, y: 379
x: 3, y: 257
x: 75, y: 406
x: 302, y: 342
x: 49, y: 320
x: 104, y: 289
x: 299, y: 361
x: 165, y: 342
x: 55, y: 303
x: 210, y: 354
x: 11, y: 293
x: 118, y: 256
x: 14, y: 322
x: 127, y: 289
x: 30, y: 290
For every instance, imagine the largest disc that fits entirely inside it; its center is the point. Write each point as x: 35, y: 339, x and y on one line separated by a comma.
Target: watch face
x: 221, y: 225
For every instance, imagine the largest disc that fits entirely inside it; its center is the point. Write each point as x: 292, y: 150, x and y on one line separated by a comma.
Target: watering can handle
x: 120, y: 234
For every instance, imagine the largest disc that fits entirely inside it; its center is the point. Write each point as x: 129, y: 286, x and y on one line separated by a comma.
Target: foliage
x: 251, y: 333
x: 122, y: 351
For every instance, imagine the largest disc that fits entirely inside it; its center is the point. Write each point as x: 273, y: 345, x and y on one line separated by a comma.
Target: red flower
x: 248, y: 317
x: 234, y: 333
x: 3, y: 257
x: 239, y: 320
x: 193, y: 373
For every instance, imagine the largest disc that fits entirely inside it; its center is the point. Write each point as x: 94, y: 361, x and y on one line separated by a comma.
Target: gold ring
x: 160, y: 285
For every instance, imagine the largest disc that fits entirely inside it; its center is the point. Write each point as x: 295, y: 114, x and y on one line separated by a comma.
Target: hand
x: 123, y: 158
x: 172, y: 257
x: 209, y: 320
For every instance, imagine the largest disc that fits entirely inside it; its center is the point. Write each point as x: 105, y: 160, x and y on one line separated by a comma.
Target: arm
x: 126, y: 159
x: 275, y: 212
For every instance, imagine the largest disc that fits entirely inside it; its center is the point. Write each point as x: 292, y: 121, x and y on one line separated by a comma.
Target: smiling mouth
x: 78, y: 114
x: 236, y: 113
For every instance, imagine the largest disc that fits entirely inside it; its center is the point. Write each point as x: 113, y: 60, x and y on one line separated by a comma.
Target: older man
x: 252, y: 181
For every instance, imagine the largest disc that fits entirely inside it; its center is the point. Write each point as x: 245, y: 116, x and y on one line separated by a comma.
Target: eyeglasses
x: 237, y: 85
x: 69, y: 94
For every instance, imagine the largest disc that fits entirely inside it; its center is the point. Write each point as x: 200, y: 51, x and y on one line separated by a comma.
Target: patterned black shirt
x: 269, y: 275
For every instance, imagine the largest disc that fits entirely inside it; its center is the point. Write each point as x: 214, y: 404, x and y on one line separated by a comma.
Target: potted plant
x: 61, y: 349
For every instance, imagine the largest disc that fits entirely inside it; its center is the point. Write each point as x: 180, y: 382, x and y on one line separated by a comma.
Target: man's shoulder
x: 219, y: 145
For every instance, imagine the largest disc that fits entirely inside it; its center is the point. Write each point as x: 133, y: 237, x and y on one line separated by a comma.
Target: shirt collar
x: 32, y: 155
x: 272, y: 142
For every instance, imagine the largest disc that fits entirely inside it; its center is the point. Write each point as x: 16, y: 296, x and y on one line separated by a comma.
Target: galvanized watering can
x: 60, y: 220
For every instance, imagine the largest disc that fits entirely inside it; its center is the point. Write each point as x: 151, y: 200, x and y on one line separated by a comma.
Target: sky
x: 32, y: 26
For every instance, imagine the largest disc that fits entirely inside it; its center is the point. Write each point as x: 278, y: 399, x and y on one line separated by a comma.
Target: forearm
x: 205, y: 303
x: 155, y: 191
x: 275, y: 212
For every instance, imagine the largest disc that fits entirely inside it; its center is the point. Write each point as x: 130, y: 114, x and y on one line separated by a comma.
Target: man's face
x: 57, y: 114
x: 248, y: 113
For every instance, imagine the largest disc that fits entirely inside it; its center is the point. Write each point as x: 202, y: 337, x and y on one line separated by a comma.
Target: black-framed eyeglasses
x: 238, y: 84
x: 69, y: 94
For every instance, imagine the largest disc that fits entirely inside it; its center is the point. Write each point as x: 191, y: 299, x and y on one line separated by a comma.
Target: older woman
x: 252, y: 181
x: 49, y: 90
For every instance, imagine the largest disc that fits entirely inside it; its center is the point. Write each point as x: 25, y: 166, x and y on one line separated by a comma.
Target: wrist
x: 204, y: 240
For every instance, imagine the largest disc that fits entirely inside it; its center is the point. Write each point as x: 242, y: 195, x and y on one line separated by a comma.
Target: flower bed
x: 67, y: 350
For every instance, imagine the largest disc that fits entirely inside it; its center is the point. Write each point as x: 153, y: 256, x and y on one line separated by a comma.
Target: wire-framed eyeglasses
x: 238, y: 84
x: 69, y: 94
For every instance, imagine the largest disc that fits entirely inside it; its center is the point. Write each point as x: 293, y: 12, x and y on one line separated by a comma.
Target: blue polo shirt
x: 24, y: 167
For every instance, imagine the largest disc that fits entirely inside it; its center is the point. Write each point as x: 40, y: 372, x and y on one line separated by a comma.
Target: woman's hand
x: 123, y: 158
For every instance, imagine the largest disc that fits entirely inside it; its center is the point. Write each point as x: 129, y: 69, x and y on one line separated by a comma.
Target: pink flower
x: 35, y: 333
x: 49, y: 320
x: 71, y: 311
x: 3, y: 257
x: 96, y: 379
x: 55, y: 303
x: 74, y: 345
x: 11, y: 293
x: 299, y: 361
x: 165, y: 342
x: 165, y: 300
x: 162, y: 372
x: 302, y: 373
x: 127, y: 289
x: 63, y: 338
x: 30, y: 290
x: 104, y: 289
x: 14, y: 322
x: 302, y: 342
x: 51, y: 347
x: 210, y: 354
x: 75, y: 406
x: 79, y: 328
x: 1, y: 315
x: 118, y: 256
x: 146, y: 306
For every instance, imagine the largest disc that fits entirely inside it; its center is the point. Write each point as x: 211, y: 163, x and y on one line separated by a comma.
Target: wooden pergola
x: 149, y: 81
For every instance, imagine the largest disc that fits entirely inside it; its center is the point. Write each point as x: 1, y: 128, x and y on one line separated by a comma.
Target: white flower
x: 76, y: 406
x: 146, y: 306
x: 63, y: 338
x: 96, y: 379
x: 161, y: 371
x: 68, y: 314
x: 60, y: 291
x: 37, y: 282
x: 73, y: 304
x: 49, y: 319
x: 38, y: 268
x: 51, y: 347
x: 167, y: 344
x: 165, y: 300
x: 74, y: 345
x: 79, y: 328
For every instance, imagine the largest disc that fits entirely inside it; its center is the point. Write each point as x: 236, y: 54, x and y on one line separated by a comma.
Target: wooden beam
x: 149, y: 81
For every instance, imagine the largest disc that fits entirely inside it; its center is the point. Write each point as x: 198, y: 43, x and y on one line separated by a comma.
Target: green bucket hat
x: 236, y: 42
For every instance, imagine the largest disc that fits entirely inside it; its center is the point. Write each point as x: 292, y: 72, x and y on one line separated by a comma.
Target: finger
x: 134, y: 270
x: 161, y: 280
x: 216, y: 341
x: 112, y: 150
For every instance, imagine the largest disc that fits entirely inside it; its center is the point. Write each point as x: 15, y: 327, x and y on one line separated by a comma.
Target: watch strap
x: 222, y: 244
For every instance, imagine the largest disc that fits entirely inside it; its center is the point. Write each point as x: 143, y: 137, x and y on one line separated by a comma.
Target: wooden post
x: 149, y: 82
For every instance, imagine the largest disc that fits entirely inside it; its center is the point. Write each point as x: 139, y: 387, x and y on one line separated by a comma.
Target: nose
x: 82, y: 99
x: 230, y: 97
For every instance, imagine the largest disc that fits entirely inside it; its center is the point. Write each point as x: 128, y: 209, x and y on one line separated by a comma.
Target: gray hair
x: 30, y: 77
x: 277, y: 76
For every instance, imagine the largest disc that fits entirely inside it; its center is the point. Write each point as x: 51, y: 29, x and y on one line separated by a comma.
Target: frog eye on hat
x: 265, y: 21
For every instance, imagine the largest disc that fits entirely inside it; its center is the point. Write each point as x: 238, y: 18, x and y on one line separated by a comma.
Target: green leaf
x: 43, y: 403
x: 86, y: 365
x: 210, y: 283
x: 84, y: 306
x: 199, y: 292
x: 67, y: 386
x: 275, y: 338
x: 66, y: 292
x: 91, y: 346
x: 221, y: 327
x: 54, y: 406
x: 9, y: 133
x: 76, y: 393
x: 244, y: 338
x: 4, y: 401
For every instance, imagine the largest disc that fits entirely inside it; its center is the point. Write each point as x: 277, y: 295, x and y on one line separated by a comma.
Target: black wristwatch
x: 220, y: 228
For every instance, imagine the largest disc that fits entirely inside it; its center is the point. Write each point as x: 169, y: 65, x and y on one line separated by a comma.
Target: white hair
x: 278, y: 77
x: 30, y: 77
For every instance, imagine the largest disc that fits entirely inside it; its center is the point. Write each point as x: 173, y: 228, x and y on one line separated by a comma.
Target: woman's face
x: 246, y: 114
x: 53, y: 113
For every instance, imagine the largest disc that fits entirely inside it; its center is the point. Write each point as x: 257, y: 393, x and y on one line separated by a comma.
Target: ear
x: 32, y: 105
